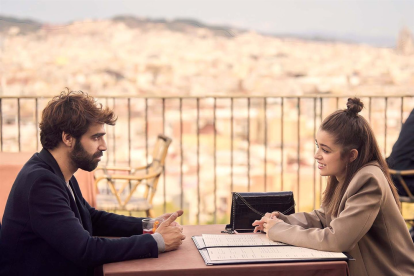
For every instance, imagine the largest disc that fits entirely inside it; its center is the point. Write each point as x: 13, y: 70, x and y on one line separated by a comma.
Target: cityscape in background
x: 130, y: 57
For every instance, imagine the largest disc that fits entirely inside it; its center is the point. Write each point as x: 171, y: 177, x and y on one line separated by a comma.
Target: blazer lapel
x: 48, y: 158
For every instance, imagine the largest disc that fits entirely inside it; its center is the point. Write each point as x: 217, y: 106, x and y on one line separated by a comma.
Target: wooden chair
x: 118, y: 179
x: 410, y: 197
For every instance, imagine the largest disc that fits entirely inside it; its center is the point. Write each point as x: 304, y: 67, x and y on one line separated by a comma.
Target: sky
x: 368, y: 21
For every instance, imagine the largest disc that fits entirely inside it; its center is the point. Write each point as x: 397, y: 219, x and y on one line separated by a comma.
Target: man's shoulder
x: 35, y: 163
x: 36, y: 167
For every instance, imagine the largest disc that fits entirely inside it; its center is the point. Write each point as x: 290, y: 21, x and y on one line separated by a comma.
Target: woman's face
x: 328, y: 156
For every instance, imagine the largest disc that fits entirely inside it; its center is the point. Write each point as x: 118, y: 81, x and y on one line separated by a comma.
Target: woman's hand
x: 259, y: 223
x: 274, y: 214
x: 266, y: 222
x: 269, y: 223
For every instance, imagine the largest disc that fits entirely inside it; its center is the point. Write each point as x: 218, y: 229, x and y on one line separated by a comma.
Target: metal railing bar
x: 265, y: 144
x: 37, y: 123
x: 231, y: 143
x: 281, y: 144
x: 107, y: 152
x: 146, y: 129
x: 1, y: 124
x: 181, y: 159
x: 129, y: 136
x: 198, y: 160
x: 385, y: 126
x: 298, y: 159
x: 113, y: 136
x: 18, y: 125
x: 370, y: 107
x: 164, y: 179
x: 321, y: 120
x: 129, y: 133
x: 248, y: 144
x: 314, y: 150
x: 215, y: 161
x: 236, y: 96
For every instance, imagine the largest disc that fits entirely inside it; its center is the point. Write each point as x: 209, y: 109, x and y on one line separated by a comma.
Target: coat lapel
x: 48, y: 158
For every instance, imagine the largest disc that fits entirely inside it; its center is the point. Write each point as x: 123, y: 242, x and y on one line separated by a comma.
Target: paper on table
x: 274, y: 252
x: 238, y: 240
x: 220, y: 259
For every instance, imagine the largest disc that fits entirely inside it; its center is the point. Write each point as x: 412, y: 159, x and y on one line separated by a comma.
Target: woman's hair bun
x: 354, y: 106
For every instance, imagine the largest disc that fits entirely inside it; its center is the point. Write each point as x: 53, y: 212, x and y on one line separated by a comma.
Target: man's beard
x: 81, y: 159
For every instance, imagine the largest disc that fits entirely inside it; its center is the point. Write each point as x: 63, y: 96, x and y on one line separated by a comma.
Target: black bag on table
x: 248, y: 207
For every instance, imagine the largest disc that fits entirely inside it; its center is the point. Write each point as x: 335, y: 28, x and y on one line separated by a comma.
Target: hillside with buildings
x: 132, y: 56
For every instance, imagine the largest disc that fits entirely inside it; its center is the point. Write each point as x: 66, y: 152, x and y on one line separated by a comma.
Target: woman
x: 360, y: 211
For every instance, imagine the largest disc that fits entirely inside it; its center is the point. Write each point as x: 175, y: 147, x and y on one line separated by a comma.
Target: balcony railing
x: 220, y: 144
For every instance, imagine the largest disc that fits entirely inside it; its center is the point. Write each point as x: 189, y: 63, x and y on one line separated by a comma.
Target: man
x: 48, y: 227
x: 402, y: 155
x: 402, y: 158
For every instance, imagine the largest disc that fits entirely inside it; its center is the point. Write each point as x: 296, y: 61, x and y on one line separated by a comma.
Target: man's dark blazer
x: 45, y: 232
x: 402, y: 155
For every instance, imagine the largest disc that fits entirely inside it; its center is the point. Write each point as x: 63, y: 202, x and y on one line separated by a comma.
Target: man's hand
x: 171, y: 234
x: 174, y: 223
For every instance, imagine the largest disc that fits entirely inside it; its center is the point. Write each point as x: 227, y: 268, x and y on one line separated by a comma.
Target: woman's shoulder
x: 371, y: 174
x: 371, y: 168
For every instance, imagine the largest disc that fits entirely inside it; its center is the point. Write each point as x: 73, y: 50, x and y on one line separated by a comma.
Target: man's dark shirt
x: 402, y: 155
x: 46, y: 232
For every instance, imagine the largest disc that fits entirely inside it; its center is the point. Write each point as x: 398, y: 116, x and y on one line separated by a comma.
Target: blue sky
x: 361, y: 20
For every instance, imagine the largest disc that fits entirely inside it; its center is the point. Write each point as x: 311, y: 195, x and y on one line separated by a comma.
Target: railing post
x: 114, y: 136
x: 265, y: 143
x: 281, y: 144
x: 129, y: 134
x: 231, y: 143
x: 370, y: 108
x: 314, y: 150
x: 18, y: 125
x: 181, y: 159
x: 298, y: 159
x: 215, y: 161
x: 198, y: 160
x: 248, y: 144
x: 1, y: 124
x: 146, y: 129
x: 320, y: 178
x: 385, y: 126
x: 165, y: 169
x: 36, y: 123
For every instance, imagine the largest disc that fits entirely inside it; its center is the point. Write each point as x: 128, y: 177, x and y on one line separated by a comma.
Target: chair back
x: 159, y: 155
x: 399, y: 173
x: 409, y: 198
x: 147, y: 176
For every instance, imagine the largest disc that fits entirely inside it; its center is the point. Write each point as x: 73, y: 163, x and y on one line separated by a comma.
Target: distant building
x: 405, y: 43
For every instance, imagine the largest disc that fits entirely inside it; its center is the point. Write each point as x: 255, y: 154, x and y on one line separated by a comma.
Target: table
x: 11, y: 164
x: 188, y: 261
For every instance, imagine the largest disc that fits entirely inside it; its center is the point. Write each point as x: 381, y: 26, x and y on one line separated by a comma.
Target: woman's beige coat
x: 369, y: 227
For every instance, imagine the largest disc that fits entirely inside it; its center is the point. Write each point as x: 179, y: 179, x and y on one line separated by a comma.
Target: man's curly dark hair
x: 71, y: 112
